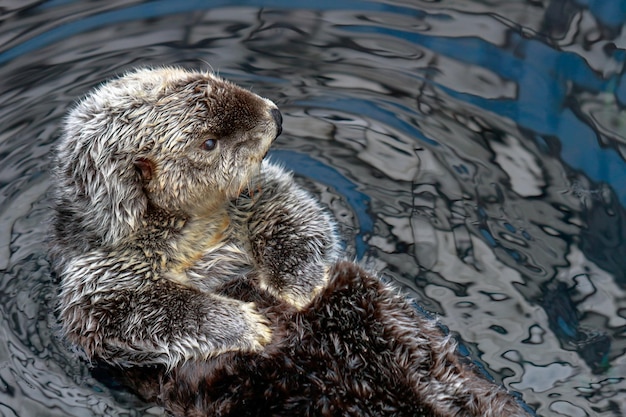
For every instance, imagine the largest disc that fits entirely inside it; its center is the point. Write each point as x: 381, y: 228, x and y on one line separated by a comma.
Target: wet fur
x: 359, y: 349
x: 148, y: 223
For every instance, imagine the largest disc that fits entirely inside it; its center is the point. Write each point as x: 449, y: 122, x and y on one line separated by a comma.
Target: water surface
x: 473, y: 153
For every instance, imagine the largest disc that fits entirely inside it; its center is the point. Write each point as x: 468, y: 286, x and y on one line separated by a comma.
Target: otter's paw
x: 259, y: 333
x: 298, y: 293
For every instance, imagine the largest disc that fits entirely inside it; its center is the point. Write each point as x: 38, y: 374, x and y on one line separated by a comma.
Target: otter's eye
x: 209, y: 144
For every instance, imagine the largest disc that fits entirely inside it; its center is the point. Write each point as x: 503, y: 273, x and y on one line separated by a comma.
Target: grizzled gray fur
x: 161, y: 198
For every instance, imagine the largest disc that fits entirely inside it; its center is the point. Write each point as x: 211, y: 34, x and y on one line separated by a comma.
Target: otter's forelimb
x: 292, y: 237
x: 122, y: 314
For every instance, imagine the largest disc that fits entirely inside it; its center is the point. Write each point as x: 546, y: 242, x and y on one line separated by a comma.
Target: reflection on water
x: 473, y: 152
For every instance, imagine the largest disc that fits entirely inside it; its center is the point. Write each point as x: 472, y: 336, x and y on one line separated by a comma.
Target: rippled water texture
x: 473, y: 153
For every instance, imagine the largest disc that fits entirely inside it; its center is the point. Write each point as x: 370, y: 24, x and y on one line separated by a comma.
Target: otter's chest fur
x: 204, y: 252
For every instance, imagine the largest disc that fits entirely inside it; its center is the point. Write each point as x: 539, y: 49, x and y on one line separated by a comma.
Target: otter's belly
x: 219, y: 266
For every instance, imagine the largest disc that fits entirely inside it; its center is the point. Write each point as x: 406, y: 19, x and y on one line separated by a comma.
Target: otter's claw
x: 260, y: 333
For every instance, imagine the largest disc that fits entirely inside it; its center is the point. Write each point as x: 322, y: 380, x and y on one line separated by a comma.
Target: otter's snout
x: 278, y: 118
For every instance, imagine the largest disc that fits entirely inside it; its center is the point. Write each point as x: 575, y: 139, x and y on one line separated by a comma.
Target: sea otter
x: 161, y: 197
x: 210, y: 280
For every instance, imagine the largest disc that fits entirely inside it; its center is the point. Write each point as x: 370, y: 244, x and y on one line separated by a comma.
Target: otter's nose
x: 278, y: 118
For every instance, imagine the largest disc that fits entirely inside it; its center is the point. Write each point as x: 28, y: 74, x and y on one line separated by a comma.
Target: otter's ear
x: 145, y: 168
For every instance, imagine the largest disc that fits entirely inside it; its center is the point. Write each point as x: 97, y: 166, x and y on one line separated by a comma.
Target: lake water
x: 473, y: 152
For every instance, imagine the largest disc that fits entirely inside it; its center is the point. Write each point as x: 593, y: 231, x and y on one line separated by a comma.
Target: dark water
x: 473, y: 151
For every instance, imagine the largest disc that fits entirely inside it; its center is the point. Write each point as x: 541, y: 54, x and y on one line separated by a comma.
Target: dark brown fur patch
x: 357, y: 350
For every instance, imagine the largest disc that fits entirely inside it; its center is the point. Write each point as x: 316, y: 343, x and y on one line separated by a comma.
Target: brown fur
x: 357, y: 350
x: 150, y: 218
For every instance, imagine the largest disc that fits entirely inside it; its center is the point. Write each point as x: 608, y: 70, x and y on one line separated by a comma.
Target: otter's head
x: 172, y: 139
